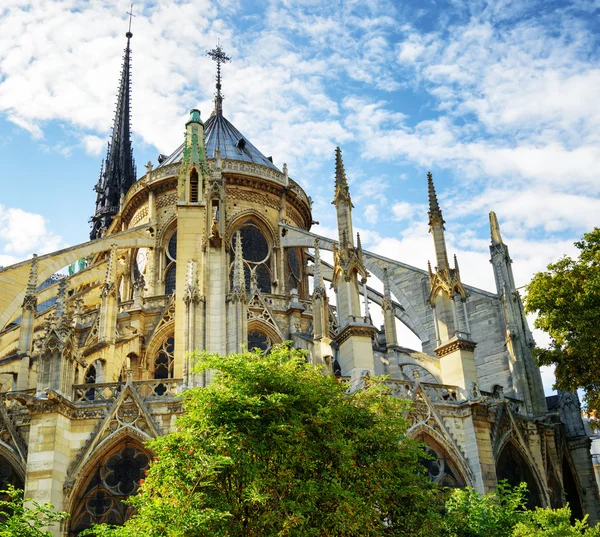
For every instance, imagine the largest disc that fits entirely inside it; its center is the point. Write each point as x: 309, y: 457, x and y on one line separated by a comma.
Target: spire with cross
x: 218, y: 55
x: 119, y: 172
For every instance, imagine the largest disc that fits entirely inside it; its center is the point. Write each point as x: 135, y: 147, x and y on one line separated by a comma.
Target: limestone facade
x: 212, y: 250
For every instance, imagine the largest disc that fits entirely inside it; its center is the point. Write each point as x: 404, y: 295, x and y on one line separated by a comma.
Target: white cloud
x: 24, y: 233
x: 371, y: 213
x: 403, y: 210
x: 94, y: 145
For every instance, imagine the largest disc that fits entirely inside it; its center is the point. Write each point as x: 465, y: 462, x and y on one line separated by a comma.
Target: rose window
x: 256, y: 254
x: 116, y: 477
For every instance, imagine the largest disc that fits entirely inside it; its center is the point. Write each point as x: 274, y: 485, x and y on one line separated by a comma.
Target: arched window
x: 294, y: 274
x: 259, y: 340
x: 194, y: 186
x: 163, y: 363
x: 256, y: 253
x: 439, y: 465
x: 8, y: 476
x: 513, y: 467
x: 170, y: 264
x: 115, y: 477
x: 90, y: 378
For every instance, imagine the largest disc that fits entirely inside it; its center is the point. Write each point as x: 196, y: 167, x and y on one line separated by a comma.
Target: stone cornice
x: 355, y: 329
x: 455, y: 345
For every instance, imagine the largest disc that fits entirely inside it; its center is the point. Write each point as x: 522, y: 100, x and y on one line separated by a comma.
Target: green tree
x: 566, y: 299
x: 25, y: 518
x: 275, y: 448
x: 553, y: 523
x: 470, y: 514
x: 502, y: 513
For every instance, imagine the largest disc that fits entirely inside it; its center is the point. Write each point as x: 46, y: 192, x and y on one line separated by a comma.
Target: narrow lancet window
x: 194, y: 186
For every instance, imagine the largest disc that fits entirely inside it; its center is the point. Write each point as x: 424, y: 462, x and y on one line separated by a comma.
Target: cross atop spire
x: 129, y: 35
x: 119, y: 171
x: 218, y: 55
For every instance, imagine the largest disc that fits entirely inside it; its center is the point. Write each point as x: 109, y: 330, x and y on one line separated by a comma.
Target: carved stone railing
x: 516, y: 405
x: 298, y: 190
x: 155, y: 302
x: 88, y: 316
x: 405, y: 389
x: 108, y: 391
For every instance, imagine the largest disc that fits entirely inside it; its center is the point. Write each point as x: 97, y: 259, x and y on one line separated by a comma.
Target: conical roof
x: 220, y: 133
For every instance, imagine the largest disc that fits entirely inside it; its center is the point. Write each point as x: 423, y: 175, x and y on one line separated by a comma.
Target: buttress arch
x: 295, y: 237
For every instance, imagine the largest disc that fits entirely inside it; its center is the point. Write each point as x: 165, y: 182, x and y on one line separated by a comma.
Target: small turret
x: 436, y: 226
x: 342, y: 201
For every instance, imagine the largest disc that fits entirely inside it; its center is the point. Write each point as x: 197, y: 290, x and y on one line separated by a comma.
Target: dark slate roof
x: 221, y: 133
x: 552, y: 402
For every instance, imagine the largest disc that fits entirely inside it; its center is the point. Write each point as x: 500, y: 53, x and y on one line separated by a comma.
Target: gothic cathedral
x: 211, y: 249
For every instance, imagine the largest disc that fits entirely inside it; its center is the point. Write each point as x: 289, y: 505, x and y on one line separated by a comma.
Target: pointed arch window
x: 115, y: 477
x: 259, y: 340
x: 90, y: 378
x: 439, y: 465
x: 294, y: 271
x: 163, y: 363
x: 256, y: 253
x: 170, y: 264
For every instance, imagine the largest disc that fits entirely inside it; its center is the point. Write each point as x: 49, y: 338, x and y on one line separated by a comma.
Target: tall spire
x: 435, y: 213
x: 218, y: 55
x: 341, y: 184
x: 436, y: 226
x: 119, y: 171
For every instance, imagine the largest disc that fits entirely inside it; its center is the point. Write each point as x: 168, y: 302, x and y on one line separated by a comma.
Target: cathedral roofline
x: 222, y: 134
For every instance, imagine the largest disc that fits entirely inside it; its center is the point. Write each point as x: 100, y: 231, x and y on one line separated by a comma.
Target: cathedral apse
x: 212, y: 249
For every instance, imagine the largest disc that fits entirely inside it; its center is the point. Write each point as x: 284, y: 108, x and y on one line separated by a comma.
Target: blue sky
x: 498, y: 99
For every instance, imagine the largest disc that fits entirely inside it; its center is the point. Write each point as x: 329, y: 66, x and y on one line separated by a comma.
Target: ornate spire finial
x: 386, y: 285
x: 318, y: 277
x: 435, y: 213
x: 33, y: 274
x: 119, y: 166
x: 342, y: 192
x: 59, y: 309
x: 129, y: 35
x: 495, y: 229
x: 218, y: 55
x: 239, y: 280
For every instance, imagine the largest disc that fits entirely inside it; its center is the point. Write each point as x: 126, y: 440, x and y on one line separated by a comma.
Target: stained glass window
x: 163, y: 363
x: 170, y: 261
x: 258, y: 340
x: 170, y: 280
x: 294, y: 263
x: 116, y: 477
x: 263, y: 278
x: 254, y: 245
x: 256, y: 254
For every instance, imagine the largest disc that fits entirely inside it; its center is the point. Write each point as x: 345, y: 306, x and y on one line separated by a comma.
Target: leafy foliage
x: 275, y: 448
x: 566, y: 298
x: 502, y: 514
x: 470, y: 514
x: 553, y: 523
x: 20, y: 520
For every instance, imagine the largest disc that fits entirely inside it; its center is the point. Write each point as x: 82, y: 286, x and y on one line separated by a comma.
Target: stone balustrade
x: 108, y: 391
